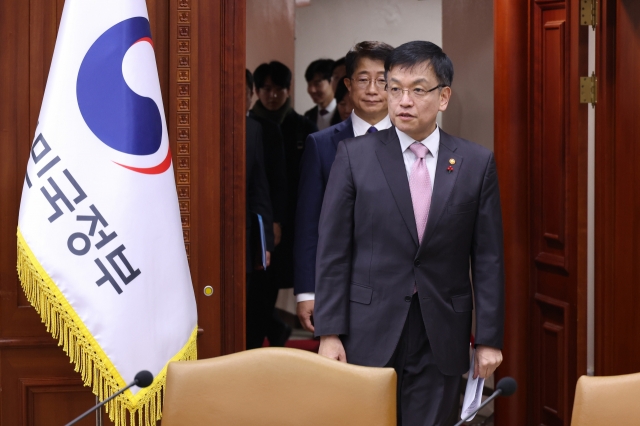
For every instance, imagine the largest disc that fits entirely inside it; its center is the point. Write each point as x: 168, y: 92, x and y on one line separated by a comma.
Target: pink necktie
x: 420, y: 186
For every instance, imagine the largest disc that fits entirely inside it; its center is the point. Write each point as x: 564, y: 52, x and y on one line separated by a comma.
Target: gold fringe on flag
x: 145, y: 407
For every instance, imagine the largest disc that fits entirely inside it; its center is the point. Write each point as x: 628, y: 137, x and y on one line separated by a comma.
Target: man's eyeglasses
x: 415, y: 93
x: 364, y: 82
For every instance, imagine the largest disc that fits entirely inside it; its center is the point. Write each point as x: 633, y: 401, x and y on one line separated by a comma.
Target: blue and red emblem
x: 119, y: 117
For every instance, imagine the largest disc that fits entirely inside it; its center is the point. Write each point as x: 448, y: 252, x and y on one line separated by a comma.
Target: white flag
x: 100, y: 249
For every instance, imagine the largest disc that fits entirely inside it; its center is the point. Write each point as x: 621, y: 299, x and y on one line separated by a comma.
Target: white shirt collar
x: 332, y: 105
x: 432, y: 141
x: 360, y: 126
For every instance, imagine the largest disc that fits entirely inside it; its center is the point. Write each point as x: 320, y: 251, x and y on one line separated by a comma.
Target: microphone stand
x: 486, y: 401
x: 98, y: 413
x: 91, y: 410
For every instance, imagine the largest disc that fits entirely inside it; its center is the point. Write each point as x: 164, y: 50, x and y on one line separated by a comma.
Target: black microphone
x: 142, y: 380
x: 506, y: 386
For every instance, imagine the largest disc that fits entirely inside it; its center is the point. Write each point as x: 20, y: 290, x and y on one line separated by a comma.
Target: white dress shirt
x: 324, y: 121
x: 360, y: 128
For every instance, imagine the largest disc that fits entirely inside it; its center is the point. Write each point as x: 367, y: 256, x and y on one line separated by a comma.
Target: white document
x: 473, y: 394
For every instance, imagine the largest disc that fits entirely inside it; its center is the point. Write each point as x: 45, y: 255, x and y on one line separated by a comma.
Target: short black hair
x: 375, y: 50
x: 279, y: 73
x: 324, y: 67
x: 337, y: 63
x: 249, y: 79
x: 341, y: 90
x: 414, y: 53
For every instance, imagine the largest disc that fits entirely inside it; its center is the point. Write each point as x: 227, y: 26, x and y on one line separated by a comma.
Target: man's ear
x: 445, y: 96
x: 347, y: 82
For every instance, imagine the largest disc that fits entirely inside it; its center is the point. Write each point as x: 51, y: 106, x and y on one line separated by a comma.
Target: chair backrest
x: 278, y: 386
x: 607, y: 400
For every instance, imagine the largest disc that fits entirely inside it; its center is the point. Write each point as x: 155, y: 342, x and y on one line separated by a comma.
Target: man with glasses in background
x: 407, y: 212
x: 365, y: 82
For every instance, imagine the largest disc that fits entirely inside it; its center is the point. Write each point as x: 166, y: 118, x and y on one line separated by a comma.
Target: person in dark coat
x: 258, y: 203
x: 273, y: 82
x: 263, y: 292
x: 274, y: 161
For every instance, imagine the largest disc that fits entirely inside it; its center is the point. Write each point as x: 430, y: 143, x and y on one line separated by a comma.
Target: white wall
x: 270, y: 32
x: 328, y: 28
x: 467, y: 38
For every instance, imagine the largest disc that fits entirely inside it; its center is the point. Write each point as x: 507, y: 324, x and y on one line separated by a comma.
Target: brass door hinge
x: 589, y: 90
x: 589, y: 13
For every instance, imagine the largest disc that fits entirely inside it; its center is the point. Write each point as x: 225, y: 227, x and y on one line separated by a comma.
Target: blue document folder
x: 263, y: 242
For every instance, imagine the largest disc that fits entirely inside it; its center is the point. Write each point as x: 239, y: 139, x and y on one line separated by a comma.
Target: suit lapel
x: 342, y: 131
x: 392, y: 163
x: 444, y: 182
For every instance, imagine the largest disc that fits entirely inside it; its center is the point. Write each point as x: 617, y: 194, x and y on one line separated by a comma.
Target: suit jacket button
x: 417, y: 262
x: 407, y: 298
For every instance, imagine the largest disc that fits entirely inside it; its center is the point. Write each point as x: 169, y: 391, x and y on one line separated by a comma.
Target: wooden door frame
x: 616, y: 318
x: 207, y: 125
x: 233, y: 223
x: 511, y: 148
x: 605, y: 187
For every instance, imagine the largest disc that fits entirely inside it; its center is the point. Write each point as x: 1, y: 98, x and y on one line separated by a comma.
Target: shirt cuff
x: 303, y: 297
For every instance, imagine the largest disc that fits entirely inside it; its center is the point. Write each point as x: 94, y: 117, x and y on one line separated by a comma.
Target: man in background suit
x: 272, y: 82
x: 258, y: 202
x: 264, y: 291
x: 406, y: 212
x: 365, y: 82
x: 318, y: 76
x: 274, y: 162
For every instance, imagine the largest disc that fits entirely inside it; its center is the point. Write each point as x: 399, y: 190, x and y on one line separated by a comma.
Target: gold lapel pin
x: 452, y: 161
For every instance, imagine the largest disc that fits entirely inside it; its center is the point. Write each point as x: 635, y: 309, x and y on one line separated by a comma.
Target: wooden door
x: 558, y: 208
x: 511, y: 147
x: 541, y: 153
x: 199, y: 49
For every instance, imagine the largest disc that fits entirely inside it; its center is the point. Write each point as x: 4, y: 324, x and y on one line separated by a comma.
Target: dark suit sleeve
x: 258, y: 199
x: 310, y: 193
x: 487, y: 263
x: 335, y: 242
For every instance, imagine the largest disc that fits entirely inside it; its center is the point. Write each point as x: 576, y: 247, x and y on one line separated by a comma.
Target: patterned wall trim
x: 183, y: 137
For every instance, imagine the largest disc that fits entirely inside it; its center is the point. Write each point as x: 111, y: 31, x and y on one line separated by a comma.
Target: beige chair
x: 607, y: 400
x: 278, y: 387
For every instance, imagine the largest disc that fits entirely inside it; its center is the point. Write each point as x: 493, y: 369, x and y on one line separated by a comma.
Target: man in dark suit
x: 318, y: 76
x: 272, y: 81
x: 258, y: 202
x: 262, y: 291
x: 365, y: 82
x: 274, y: 162
x: 407, y: 211
x: 257, y: 196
